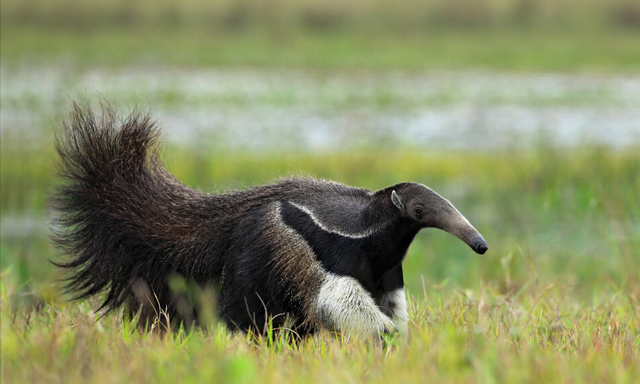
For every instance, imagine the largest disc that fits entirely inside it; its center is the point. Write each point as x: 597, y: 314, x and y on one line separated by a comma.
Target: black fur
x: 129, y: 226
x: 366, y: 259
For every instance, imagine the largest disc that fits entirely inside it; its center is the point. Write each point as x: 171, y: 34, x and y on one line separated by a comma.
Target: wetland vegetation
x: 524, y: 114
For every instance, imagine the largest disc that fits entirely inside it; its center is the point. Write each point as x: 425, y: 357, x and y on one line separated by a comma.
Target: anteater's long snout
x: 472, y: 238
x: 459, y: 226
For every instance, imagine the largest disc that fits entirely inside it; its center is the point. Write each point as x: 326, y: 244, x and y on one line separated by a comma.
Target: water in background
x: 271, y: 109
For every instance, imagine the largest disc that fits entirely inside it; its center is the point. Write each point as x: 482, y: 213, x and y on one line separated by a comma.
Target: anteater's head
x: 432, y: 210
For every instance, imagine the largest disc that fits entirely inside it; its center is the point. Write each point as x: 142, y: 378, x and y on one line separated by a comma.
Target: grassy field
x: 521, y: 35
x: 501, y: 49
x: 556, y: 299
x: 484, y: 337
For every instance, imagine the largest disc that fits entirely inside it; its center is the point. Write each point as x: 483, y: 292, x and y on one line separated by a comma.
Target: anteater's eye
x: 418, y: 211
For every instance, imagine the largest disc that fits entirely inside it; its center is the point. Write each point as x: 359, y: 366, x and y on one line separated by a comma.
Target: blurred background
x: 524, y: 113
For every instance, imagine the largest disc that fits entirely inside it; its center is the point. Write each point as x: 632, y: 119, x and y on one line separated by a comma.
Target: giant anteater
x: 322, y: 253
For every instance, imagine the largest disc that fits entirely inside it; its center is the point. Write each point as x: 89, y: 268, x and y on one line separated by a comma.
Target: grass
x: 520, y: 35
x: 481, y: 336
x: 555, y: 299
x: 497, y: 49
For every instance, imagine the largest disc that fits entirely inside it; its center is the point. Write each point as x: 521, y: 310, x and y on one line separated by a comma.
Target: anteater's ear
x: 396, y: 200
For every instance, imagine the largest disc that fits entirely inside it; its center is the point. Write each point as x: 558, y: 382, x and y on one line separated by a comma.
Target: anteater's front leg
x: 343, y: 304
x: 393, y: 301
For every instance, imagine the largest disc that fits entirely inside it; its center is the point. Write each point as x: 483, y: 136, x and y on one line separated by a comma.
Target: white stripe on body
x: 336, y: 231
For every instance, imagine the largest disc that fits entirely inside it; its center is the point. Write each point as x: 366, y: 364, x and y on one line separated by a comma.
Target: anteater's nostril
x: 481, y: 248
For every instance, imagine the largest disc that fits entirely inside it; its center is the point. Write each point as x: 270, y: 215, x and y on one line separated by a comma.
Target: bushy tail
x: 125, y: 223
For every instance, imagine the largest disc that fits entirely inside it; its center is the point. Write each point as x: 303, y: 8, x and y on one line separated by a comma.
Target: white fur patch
x: 336, y: 231
x: 343, y: 304
x: 395, y: 302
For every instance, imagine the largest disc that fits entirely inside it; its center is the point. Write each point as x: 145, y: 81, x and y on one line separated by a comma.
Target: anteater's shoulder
x: 314, y: 185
